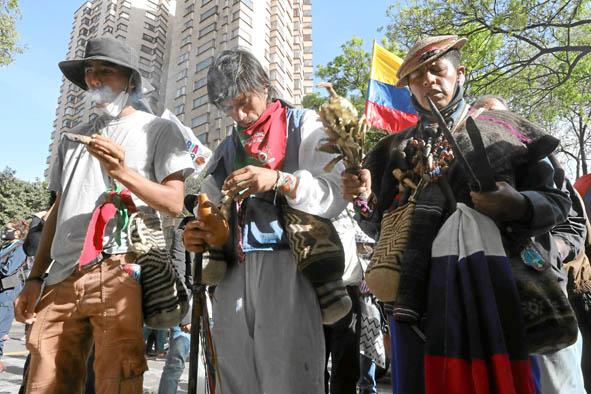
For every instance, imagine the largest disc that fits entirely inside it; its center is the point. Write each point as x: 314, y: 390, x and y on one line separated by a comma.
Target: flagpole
x: 198, y: 288
x: 373, y: 53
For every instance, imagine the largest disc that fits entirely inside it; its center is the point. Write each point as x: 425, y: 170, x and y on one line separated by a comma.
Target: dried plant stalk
x: 346, y: 132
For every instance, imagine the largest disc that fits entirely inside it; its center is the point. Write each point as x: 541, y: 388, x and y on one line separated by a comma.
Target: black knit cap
x: 103, y: 48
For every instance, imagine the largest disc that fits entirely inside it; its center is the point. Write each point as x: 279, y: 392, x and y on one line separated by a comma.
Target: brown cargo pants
x: 102, y: 303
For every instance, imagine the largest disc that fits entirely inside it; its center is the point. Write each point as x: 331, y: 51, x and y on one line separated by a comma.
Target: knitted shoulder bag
x: 383, y: 271
x: 315, y: 244
x: 165, y: 298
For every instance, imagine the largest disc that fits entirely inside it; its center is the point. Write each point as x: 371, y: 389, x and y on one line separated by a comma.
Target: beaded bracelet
x: 365, y: 206
x: 285, y: 183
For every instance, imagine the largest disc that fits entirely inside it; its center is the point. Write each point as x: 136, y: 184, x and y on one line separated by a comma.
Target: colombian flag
x: 583, y: 186
x: 387, y: 107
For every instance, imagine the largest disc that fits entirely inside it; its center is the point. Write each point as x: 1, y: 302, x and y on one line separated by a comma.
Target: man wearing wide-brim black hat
x: 122, y: 161
x: 455, y: 257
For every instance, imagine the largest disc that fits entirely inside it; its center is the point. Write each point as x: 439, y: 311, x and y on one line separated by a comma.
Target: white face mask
x: 117, y: 102
x: 115, y: 108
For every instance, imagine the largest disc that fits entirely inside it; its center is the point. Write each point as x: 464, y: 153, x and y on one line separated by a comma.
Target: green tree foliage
x: 507, y: 38
x: 20, y: 199
x: 349, y: 72
x: 568, y: 112
x: 313, y: 101
x: 349, y: 75
x: 534, y: 53
x: 9, y: 46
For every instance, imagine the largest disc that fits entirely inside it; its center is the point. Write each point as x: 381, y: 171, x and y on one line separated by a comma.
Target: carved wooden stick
x: 398, y: 174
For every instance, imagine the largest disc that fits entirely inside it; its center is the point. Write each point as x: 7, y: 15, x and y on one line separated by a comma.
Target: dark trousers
x: 342, y: 344
x: 407, y: 352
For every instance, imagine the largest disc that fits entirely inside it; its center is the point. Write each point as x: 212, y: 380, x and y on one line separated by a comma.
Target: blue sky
x: 29, y: 87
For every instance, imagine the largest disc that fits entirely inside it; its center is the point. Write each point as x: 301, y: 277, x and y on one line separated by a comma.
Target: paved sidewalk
x: 15, y: 355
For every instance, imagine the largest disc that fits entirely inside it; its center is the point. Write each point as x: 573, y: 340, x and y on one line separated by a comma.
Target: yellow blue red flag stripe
x: 387, y: 107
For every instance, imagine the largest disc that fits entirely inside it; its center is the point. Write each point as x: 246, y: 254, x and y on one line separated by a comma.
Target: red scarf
x: 118, y: 202
x: 267, y: 137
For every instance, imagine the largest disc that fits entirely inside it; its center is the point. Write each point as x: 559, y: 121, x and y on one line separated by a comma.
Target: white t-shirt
x: 154, y: 148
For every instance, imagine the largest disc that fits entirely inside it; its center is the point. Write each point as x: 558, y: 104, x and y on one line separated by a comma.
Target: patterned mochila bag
x: 548, y: 317
x: 371, y: 337
x: 315, y: 244
x: 165, y: 300
x: 319, y: 255
x: 383, y: 271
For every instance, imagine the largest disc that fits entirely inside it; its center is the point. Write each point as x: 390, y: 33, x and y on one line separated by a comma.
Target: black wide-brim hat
x: 103, y: 48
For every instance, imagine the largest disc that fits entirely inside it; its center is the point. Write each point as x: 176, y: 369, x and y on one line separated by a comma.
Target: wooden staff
x: 197, y: 311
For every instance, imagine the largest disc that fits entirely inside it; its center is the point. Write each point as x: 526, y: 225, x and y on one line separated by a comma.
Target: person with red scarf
x: 267, y: 316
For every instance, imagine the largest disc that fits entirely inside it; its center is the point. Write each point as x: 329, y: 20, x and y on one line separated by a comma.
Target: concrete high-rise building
x: 176, y: 41
x: 278, y: 32
x: 145, y: 25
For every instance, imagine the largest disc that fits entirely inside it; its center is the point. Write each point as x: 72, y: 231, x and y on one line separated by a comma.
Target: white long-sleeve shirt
x: 318, y: 191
